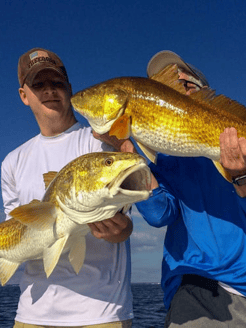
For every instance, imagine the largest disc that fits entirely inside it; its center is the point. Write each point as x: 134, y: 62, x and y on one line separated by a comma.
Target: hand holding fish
x: 123, y: 145
x: 115, y: 230
x: 91, y: 188
x: 233, y: 156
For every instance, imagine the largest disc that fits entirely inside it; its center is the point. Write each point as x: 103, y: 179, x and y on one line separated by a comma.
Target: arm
x: 114, y: 230
x: 9, y: 193
x: 233, y: 156
x: 160, y: 209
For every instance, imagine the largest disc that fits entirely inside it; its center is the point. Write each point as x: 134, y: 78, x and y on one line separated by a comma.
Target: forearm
x: 233, y: 157
x: 160, y: 209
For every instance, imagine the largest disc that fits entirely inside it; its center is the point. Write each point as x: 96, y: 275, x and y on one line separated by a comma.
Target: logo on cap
x: 40, y: 56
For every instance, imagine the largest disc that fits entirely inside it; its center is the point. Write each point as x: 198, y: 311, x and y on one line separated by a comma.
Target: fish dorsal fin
x: 222, y: 171
x: 35, y: 201
x: 229, y: 105
x: 170, y: 77
x: 48, y: 178
x: 149, y: 153
x: 40, y: 216
x: 204, y: 95
x: 7, y: 269
x: 121, y: 128
x: 221, y: 102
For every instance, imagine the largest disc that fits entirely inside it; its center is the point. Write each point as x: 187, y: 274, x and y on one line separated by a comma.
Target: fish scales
x: 91, y: 188
x: 11, y: 232
x: 175, y: 118
x: 161, y: 118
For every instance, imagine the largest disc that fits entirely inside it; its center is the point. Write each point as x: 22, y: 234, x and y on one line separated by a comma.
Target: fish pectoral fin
x: 148, y: 152
x: 38, y: 215
x: 7, y: 269
x: 48, y: 178
x: 52, y: 254
x: 121, y: 128
x: 77, y: 253
x: 222, y: 171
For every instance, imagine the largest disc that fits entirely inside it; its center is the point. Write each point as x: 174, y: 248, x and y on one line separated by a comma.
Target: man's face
x: 190, y: 87
x: 48, y: 94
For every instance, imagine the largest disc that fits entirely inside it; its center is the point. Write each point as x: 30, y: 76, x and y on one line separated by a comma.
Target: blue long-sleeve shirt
x: 206, y: 221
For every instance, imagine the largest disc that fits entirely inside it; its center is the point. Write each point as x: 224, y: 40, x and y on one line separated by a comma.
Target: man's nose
x: 49, y: 86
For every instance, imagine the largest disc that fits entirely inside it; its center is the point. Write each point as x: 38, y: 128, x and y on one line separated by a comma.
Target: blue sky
x: 98, y: 40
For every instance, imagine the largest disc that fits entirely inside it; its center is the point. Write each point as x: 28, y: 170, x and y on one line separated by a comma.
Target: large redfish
x: 161, y: 118
x: 91, y: 188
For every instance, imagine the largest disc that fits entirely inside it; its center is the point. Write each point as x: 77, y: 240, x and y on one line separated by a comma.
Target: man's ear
x: 23, y: 96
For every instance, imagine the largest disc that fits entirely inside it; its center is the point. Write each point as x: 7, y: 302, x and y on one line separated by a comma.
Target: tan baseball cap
x: 164, y: 58
x: 36, y: 60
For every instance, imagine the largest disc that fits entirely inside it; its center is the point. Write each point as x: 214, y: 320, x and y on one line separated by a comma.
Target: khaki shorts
x: 116, y: 324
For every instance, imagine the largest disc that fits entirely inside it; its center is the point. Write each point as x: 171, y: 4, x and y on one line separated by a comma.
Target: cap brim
x: 163, y: 59
x: 41, y: 67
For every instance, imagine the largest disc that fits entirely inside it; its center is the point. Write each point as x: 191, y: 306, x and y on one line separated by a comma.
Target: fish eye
x: 109, y: 161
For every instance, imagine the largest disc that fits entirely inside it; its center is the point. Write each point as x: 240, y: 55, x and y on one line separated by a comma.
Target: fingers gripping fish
x: 91, y: 188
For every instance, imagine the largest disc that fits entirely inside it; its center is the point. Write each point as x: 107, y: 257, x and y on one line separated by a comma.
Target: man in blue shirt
x: 204, y: 261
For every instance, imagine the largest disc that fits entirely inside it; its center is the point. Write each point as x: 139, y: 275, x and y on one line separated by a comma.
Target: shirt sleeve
x: 242, y: 203
x: 9, y: 193
x: 160, y: 209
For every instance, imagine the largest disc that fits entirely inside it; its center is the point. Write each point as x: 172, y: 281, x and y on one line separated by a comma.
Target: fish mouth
x: 100, y: 126
x: 134, y: 183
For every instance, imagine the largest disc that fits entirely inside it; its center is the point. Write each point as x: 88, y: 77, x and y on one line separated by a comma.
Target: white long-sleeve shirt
x: 101, y: 291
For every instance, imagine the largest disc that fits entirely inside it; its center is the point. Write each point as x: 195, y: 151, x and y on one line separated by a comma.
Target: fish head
x: 101, y: 105
x: 106, y: 180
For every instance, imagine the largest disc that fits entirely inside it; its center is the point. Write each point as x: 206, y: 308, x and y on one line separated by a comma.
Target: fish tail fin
x: 7, y: 269
x: 222, y: 171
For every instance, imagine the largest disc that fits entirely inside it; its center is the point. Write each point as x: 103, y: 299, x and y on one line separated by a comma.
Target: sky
x: 99, y: 40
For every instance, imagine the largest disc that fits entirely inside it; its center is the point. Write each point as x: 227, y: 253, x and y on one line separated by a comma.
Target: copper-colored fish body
x: 91, y: 188
x: 11, y: 234
x: 162, y: 118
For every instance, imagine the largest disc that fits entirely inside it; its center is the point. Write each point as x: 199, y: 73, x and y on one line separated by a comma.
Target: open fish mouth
x: 134, y: 181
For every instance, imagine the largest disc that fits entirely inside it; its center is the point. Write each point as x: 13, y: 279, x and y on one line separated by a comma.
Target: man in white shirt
x: 100, y: 295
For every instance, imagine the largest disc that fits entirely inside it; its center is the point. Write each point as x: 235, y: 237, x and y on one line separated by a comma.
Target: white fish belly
x: 30, y: 247
x: 175, y: 145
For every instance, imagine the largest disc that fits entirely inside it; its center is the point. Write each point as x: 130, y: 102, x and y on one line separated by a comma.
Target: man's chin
x: 55, y: 105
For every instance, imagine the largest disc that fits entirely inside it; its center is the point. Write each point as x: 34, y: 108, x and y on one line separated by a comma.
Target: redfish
x: 91, y: 188
x: 160, y: 117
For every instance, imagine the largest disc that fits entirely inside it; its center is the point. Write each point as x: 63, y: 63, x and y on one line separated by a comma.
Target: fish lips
x: 132, y: 183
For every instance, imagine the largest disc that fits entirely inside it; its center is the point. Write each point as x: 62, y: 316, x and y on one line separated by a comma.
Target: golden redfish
x: 91, y: 188
x: 161, y: 118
